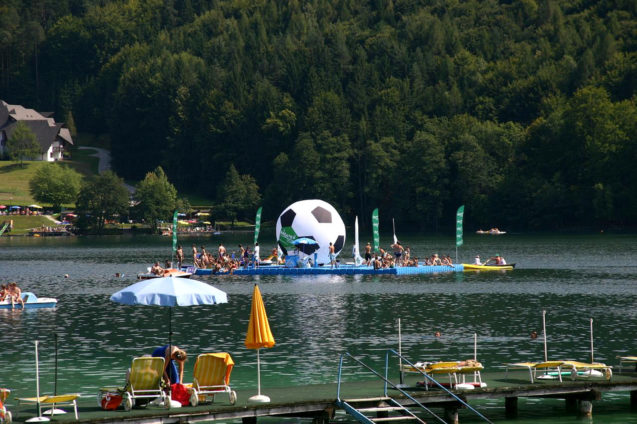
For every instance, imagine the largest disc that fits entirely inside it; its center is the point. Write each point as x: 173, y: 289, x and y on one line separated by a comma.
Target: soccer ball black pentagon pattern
x: 314, y: 219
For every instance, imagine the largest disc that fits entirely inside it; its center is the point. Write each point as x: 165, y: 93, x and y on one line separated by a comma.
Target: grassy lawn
x: 22, y: 224
x: 83, y: 161
x: 14, y: 179
x: 14, y: 182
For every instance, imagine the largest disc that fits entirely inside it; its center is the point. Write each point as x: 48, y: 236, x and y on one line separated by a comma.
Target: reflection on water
x: 316, y: 318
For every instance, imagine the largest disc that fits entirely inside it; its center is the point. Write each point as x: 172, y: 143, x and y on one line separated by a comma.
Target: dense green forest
x: 522, y: 110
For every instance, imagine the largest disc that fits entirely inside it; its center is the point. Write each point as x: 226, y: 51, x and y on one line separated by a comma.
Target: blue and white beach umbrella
x: 170, y: 291
x: 304, y: 240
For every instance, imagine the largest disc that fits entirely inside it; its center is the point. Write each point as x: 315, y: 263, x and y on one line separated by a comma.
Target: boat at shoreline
x: 31, y: 301
x: 474, y: 267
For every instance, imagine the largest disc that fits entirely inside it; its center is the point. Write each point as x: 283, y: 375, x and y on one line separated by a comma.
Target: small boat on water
x: 170, y: 272
x: 474, y: 267
x: 31, y: 301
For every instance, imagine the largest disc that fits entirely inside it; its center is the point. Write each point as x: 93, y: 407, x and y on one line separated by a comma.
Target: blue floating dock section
x: 340, y: 270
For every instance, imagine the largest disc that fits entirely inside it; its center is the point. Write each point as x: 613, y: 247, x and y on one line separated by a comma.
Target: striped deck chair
x: 144, y: 381
x: 53, y: 401
x: 211, y: 376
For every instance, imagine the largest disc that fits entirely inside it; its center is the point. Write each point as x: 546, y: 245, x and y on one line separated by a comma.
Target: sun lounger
x: 627, y: 360
x: 53, y: 401
x: 455, y: 370
x: 584, y: 369
x: 555, y: 369
x: 143, y: 383
x: 551, y: 369
x: 211, y: 376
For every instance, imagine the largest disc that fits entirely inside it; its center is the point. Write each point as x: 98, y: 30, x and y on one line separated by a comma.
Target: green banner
x: 257, y: 225
x: 375, y: 225
x: 175, y: 232
x: 459, y: 217
x: 287, y: 237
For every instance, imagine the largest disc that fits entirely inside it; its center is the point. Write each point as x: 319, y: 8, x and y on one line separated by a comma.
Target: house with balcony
x: 52, y: 136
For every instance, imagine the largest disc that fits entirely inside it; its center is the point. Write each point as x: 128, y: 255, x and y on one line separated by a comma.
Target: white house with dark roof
x: 53, y: 137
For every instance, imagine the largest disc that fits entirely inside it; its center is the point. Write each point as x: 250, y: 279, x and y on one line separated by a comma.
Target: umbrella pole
x: 400, y: 354
x: 55, y: 411
x: 170, y: 327
x: 592, y: 358
x: 39, y: 418
x: 544, y: 331
x: 258, y: 373
x: 259, y: 398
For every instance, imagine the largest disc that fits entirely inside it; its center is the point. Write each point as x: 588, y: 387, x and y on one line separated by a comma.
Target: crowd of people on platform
x: 223, y: 261
x: 401, y: 256
x: 11, y: 293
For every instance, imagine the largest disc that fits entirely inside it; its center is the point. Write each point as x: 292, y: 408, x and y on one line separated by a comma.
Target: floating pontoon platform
x: 339, y: 270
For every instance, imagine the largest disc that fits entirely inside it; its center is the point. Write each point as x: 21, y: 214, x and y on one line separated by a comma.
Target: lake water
x: 315, y: 319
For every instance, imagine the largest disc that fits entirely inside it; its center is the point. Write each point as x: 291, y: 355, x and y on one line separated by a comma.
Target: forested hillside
x: 524, y: 111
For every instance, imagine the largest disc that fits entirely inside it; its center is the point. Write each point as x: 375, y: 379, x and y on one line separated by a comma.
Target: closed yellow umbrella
x: 259, y: 335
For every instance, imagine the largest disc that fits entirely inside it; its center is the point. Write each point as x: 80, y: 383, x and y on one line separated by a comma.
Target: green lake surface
x: 314, y: 319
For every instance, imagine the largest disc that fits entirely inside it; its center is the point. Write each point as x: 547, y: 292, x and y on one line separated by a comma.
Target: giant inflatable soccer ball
x: 313, y: 219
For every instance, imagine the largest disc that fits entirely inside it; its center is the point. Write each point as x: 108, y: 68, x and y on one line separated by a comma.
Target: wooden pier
x: 318, y: 401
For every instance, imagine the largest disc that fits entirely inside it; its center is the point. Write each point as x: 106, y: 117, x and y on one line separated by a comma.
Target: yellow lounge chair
x: 211, y: 376
x: 627, y: 360
x: 585, y: 369
x: 144, y: 381
x: 555, y: 369
x: 53, y: 401
x: 552, y: 369
x: 453, y: 369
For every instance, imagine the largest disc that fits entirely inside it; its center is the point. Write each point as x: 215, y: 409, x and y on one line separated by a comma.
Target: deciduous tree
x: 157, y: 198
x: 102, y: 197
x: 22, y: 144
x: 55, y: 184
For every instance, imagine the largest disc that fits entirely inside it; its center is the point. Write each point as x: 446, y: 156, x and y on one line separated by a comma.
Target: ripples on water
x: 315, y: 319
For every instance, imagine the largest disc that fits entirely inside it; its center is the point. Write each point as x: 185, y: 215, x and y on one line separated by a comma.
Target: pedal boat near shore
x: 31, y: 301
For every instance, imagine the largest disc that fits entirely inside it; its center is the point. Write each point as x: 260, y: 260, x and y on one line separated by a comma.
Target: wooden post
x: 633, y: 399
x: 586, y: 403
x: 451, y: 415
x: 570, y: 403
x: 511, y: 407
x: 586, y: 408
x: 323, y: 418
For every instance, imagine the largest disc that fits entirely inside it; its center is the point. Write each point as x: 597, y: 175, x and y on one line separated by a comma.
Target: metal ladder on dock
x: 385, y: 406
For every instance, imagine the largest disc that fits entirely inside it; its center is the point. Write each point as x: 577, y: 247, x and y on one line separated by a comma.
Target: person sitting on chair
x: 173, y: 358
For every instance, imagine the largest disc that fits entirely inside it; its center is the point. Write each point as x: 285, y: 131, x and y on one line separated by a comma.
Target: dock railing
x: 400, y: 387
